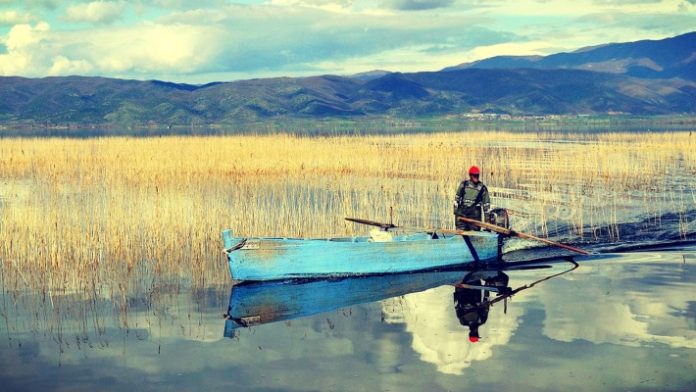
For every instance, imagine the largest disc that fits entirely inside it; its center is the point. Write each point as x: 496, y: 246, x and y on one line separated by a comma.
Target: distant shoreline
x: 368, y: 125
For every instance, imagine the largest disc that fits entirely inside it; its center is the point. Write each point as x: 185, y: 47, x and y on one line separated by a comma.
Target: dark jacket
x: 470, y: 198
x: 469, y: 306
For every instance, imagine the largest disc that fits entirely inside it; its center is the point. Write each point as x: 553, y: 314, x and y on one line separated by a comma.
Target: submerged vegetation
x: 112, y: 214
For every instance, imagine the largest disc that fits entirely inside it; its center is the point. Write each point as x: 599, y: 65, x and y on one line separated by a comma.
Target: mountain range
x: 662, y: 59
x: 642, y: 78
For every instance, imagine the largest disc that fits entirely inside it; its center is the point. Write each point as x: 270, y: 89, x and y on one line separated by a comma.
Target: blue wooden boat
x: 265, y: 258
x: 255, y: 303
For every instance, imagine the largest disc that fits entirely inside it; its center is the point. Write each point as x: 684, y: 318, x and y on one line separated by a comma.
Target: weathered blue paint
x: 227, y: 238
x: 259, y: 259
x: 266, y: 302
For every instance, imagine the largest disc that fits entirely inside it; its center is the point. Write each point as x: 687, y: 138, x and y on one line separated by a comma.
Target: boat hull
x: 257, y: 303
x: 262, y: 259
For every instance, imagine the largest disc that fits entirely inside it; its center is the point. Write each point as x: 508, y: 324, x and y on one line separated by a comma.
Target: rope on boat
x: 236, y: 247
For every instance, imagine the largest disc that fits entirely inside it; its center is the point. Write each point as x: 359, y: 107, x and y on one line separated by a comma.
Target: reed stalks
x: 112, y: 214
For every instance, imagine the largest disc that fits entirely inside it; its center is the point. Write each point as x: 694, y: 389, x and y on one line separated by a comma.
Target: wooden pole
x: 513, y: 233
x: 387, y: 226
x: 489, y: 226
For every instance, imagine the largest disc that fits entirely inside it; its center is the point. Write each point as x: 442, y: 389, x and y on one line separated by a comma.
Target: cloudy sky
x: 207, y: 40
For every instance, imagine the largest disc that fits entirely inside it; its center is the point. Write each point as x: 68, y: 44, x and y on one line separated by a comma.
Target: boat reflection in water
x: 475, y: 290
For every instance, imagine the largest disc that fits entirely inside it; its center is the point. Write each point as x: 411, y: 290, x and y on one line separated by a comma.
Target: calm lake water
x: 619, y: 321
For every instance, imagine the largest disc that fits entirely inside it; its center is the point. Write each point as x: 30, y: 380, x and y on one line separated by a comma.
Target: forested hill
x: 642, y: 78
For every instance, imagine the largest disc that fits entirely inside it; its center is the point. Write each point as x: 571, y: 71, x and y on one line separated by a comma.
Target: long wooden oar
x: 384, y: 226
x: 513, y: 233
x: 387, y: 226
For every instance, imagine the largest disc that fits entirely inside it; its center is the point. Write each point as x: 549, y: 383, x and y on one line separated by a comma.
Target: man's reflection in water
x: 471, y: 304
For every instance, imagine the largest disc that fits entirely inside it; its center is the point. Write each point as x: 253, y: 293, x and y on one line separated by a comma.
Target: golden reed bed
x: 84, y: 214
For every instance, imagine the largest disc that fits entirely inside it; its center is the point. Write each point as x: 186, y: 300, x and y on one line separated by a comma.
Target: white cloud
x: 95, y: 12
x: 510, y: 48
x: 22, y: 43
x: 23, y: 37
x: 11, y: 17
x: 64, y: 66
x: 147, y: 49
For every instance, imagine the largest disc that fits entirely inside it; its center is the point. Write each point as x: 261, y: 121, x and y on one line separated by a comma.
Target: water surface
x: 624, y: 321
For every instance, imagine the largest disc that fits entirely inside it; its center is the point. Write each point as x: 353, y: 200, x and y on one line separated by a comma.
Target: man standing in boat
x: 472, y: 200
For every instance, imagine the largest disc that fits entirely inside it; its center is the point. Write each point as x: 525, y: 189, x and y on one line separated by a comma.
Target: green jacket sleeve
x: 459, y: 196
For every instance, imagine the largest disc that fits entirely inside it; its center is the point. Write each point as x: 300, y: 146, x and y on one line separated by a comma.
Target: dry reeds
x: 121, y: 212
